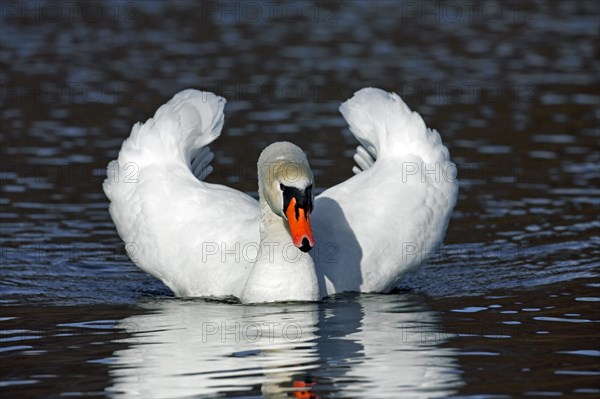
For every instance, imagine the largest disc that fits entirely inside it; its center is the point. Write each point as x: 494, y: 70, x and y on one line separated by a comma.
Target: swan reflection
x: 371, y: 346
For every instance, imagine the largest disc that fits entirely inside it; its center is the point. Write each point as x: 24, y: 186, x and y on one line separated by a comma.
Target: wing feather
x: 385, y: 220
x: 179, y: 228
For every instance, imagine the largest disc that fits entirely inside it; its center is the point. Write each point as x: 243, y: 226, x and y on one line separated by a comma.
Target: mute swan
x: 204, y: 239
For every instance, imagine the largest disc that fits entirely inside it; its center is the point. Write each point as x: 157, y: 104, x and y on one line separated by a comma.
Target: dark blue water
x: 512, y: 296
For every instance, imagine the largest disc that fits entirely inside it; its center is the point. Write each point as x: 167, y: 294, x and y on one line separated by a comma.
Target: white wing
x: 384, y: 221
x: 199, y: 238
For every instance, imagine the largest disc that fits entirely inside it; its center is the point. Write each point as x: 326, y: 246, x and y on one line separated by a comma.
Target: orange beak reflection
x: 299, y: 222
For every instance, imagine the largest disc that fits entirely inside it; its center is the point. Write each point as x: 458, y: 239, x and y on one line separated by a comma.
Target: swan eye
x: 304, y: 198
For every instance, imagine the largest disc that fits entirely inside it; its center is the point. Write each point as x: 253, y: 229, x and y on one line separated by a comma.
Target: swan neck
x: 271, y: 225
x: 281, y: 272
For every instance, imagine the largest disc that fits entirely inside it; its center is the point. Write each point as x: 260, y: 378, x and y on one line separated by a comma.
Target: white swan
x: 205, y: 239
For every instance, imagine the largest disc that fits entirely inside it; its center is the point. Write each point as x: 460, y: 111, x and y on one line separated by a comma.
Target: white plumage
x: 201, y: 239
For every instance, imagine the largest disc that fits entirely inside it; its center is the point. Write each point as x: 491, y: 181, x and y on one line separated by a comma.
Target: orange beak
x: 299, y: 222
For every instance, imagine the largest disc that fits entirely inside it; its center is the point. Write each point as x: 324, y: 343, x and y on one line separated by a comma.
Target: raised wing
x: 387, y: 219
x: 199, y: 238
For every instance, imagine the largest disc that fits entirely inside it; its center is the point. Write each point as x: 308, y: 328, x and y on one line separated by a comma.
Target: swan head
x: 286, y: 183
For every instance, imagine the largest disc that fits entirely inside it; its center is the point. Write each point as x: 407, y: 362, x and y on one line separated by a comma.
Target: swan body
x: 204, y: 239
